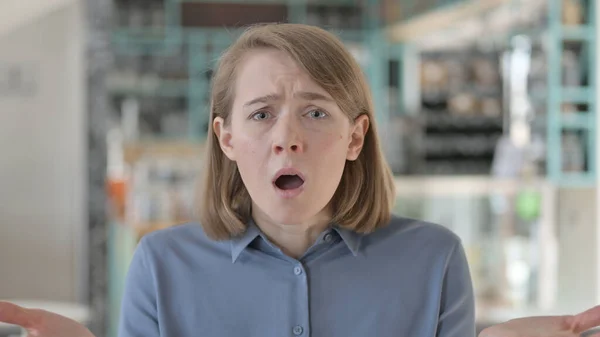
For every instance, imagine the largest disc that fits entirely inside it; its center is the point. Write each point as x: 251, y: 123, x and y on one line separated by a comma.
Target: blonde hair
x: 364, y: 198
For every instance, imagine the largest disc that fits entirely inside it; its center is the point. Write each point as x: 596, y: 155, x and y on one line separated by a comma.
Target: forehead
x: 269, y: 71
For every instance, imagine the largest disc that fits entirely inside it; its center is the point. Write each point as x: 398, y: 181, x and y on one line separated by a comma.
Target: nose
x: 287, y: 136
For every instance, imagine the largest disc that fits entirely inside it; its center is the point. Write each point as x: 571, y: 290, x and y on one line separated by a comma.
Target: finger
x: 585, y: 320
x: 14, y: 314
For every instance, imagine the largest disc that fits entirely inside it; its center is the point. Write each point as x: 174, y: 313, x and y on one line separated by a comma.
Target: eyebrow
x: 309, y: 96
x: 263, y: 99
x: 313, y: 96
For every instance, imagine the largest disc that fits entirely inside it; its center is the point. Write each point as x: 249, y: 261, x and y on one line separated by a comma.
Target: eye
x: 317, y: 114
x: 260, y: 115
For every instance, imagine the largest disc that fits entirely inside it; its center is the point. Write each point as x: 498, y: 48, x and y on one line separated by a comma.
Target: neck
x: 293, y: 239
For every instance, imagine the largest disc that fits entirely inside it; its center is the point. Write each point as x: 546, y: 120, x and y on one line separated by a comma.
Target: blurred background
x: 488, y: 111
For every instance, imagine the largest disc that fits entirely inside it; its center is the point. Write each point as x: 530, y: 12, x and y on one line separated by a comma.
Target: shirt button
x: 297, y: 270
x: 328, y: 237
x: 297, y: 330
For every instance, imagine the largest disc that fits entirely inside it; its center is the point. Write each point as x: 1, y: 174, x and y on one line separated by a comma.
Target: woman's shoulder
x: 412, y: 234
x: 180, y: 240
x: 180, y: 231
x: 409, y: 226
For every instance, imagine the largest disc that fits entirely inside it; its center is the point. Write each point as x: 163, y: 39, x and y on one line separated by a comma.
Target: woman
x: 296, y: 234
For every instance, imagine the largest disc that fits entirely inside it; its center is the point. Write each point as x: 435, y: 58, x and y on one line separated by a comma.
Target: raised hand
x: 41, y: 323
x: 547, y: 326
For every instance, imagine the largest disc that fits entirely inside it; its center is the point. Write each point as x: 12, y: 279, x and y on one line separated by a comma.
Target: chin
x: 297, y: 210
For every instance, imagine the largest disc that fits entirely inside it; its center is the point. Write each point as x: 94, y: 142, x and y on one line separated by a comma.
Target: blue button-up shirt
x: 409, y: 279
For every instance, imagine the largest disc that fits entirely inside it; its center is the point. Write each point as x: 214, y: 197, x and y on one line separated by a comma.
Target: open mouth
x: 289, y: 182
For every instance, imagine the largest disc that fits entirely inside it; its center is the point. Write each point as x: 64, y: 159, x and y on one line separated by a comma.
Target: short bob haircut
x: 365, y: 196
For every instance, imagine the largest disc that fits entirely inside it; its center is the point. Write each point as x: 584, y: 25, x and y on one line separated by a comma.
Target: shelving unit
x: 573, y: 132
x: 173, y: 50
x: 462, y: 112
x: 562, y: 95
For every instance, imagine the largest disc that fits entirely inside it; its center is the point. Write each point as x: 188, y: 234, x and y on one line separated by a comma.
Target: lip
x: 288, y: 171
x: 287, y: 194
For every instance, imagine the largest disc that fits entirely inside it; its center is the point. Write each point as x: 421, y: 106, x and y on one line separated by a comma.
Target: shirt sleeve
x: 139, y: 306
x: 457, y: 307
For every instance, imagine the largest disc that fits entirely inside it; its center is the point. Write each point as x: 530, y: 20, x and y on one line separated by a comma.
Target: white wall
x: 42, y: 159
x: 16, y: 13
x: 577, y: 224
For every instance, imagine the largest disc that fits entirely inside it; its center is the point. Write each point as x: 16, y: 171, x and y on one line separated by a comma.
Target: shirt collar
x: 350, y: 238
x: 239, y: 243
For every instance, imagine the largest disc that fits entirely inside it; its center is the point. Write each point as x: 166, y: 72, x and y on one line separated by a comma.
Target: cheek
x: 247, y: 143
x: 251, y: 159
x: 330, y: 144
x: 248, y: 150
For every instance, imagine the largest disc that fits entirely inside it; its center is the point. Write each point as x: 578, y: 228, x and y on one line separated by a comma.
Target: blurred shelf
x: 449, y: 122
x: 577, y: 95
x: 577, y: 33
x: 576, y: 180
x: 134, y: 151
x: 582, y: 95
x: 477, y: 90
x: 147, y: 86
x: 455, y: 186
x: 148, y: 40
x: 436, y: 16
x: 580, y: 120
x: 126, y: 38
x: 286, y: 2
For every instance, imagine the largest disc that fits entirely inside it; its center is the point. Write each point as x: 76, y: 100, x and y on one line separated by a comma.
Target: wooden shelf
x: 134, y: 151
x: 439, y: 18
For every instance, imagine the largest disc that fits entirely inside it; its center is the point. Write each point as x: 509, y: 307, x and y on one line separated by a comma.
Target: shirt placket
x: 300, y: 314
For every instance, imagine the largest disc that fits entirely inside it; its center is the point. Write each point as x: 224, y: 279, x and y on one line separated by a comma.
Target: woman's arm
x: 139, y: 310
x: 457, y: 307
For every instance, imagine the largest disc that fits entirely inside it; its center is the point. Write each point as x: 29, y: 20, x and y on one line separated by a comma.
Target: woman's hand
x: 41, y: 323
x: 549, y: 326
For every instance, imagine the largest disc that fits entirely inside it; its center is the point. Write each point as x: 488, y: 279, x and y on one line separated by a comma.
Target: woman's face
x: 289, y: 139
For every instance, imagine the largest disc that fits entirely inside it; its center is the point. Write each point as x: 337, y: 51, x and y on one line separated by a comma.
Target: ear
x: 357, y: 137
x: 223, y: 134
